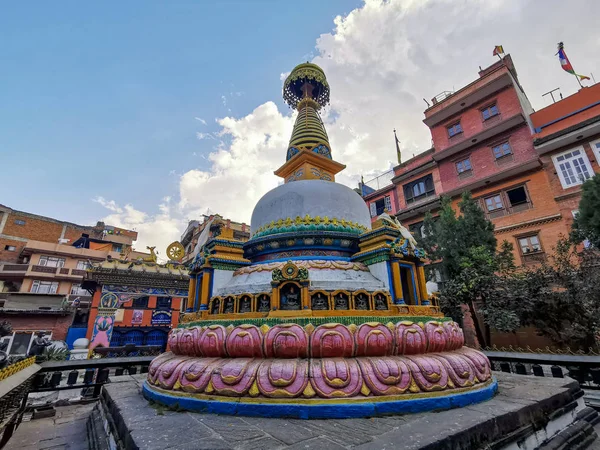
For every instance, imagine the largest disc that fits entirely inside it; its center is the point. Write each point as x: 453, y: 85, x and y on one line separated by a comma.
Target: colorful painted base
x: 323, y: 408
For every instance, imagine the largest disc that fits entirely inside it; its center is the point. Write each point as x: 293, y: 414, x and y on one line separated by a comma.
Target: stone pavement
x: 525, y: 405
x: 65, y: 431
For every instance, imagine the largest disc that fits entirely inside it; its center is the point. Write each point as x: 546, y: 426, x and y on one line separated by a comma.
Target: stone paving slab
x: 65, y: 431
x: 522, y: 401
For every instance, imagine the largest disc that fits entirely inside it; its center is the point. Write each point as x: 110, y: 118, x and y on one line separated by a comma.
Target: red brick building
x: 567, y: 139
x: 482, y: 143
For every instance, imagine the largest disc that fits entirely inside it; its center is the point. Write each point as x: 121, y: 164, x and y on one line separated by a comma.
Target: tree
x: 465, y: 245
x: 449, y: 238
x: 564, y: 302
x: 587, y: 222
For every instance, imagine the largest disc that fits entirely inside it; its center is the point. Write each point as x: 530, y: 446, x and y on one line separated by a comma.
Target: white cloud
x: 202, y: 121
x: 110, y: 205
x: 381, y: 60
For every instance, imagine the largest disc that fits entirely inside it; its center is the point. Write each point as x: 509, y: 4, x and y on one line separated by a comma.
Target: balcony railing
x: 21, y: 269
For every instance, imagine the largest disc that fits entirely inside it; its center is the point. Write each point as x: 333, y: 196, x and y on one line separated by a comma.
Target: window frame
x: 488, y: 107
x: 133, y: 302
x: 451, y: 127
x: 387, y: 201
x: 83, y: 263
x: 10, y: 248
x: 409, y: 187
x: 528, y: 236
x: 20, y: 222
x: 499, y: 195
x: 586, y: 163
x: 462, y: 161
x: 595, y: 145
x: 80, y: 290
x: 37, y: 283
x: 499, y: 145
x: 44, y: 262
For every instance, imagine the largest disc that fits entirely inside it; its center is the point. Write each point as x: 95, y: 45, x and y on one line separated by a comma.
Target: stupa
x: 321, y: 313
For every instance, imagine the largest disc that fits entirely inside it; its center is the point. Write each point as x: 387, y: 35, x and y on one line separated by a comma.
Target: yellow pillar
x: 205, y: 285
x: 275, y: 298
x: 396, y: 282
x: 305, y: 297
x: 191, y: 292
x: 422, y: 282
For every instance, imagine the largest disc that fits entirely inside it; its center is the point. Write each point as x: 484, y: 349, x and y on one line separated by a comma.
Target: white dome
x: 81, y: 343
x: 312, y: 197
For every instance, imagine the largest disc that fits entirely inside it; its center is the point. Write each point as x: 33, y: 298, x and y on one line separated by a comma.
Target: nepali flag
x: 566, y: 64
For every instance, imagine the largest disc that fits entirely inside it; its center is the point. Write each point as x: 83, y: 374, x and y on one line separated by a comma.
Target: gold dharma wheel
x: 175, y: 251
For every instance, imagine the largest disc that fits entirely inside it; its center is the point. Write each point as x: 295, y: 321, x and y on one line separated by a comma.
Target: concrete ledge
x: 537, y: 412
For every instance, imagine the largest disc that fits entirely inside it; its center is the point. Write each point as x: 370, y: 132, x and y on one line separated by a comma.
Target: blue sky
x: 103, y: 103
x: 100, y: 98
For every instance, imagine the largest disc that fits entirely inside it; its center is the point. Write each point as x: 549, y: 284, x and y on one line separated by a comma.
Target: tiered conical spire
x: 309, y: 152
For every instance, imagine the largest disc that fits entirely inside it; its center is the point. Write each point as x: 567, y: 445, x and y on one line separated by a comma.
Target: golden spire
x: 309, y: 152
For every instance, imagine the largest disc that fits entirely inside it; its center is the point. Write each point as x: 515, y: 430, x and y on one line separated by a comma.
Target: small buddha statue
x: 215, y: 307
x: 245, y: 305
x: 228, y: 306
x: 318, y: 302
x: 263, y: 303
x: 380, y: 302
x: 291, y: 300
x: 341, y: 301
x: 361, y: 302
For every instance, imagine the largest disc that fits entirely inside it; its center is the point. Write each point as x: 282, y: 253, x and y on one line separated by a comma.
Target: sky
x: 147, y: 114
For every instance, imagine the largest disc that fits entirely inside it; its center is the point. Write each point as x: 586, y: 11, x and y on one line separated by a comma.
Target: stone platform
x: 546, y: 413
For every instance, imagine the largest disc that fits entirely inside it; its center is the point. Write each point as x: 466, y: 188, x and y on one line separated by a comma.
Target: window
x: 596, y: 148
x: 507, y: 202
x: 19, y: 222
x: 517, y: 196
x: 417, y: 229
x: 493, y: 203
x: 530, y: 244
x: 20, y: 343
x: 51, y: 261
x: 378, y: 207
x: 573, y: 167
x: 163, y: 303
x: 501, y: 150
x: 44, y: 287
x: 140, y: 302
x: 586, y: 242
x: 10, y: 248
x: 387, y: 200
x: 463, y: 166
x: 454, y: 129
x: 490, y: 111
x: 76, y: 289
x: 82, y: 265
x: 419, y: 189
x: 117, y: 248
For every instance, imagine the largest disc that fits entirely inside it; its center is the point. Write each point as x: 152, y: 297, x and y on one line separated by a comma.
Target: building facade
x: 134, y: 302
x: 567, y: 140
x: 210, y: 227
x: 18, y: 227
x: 482, y: 143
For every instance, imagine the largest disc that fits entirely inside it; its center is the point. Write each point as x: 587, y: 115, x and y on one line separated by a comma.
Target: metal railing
x: 585, y: 368
x: 23, y: 268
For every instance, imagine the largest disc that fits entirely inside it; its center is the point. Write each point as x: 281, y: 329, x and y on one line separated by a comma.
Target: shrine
x: 321, y: 313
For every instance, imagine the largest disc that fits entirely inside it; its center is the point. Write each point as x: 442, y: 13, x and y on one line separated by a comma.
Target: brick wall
x: 483, y: 161
x: 471, y: 120
x: 58, y: 325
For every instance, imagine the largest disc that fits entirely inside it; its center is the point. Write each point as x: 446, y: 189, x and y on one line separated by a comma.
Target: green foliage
x: 450, y: 238
x: 587, y: 222
x: 53, y: 354
x: 565, y: 300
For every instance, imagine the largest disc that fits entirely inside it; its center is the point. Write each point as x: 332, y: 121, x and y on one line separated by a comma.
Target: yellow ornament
x: 175, y: 251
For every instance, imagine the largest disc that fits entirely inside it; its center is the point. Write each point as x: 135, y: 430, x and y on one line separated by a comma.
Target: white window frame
x: 11, y: 338
x: 373, y: 209
x: 595, y: 149
x: 586, y: 162
x: 60, y: 262
x: 387, y: 202
x: 80, y: 290
x: 83, y: 263
x: 38, y: 282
